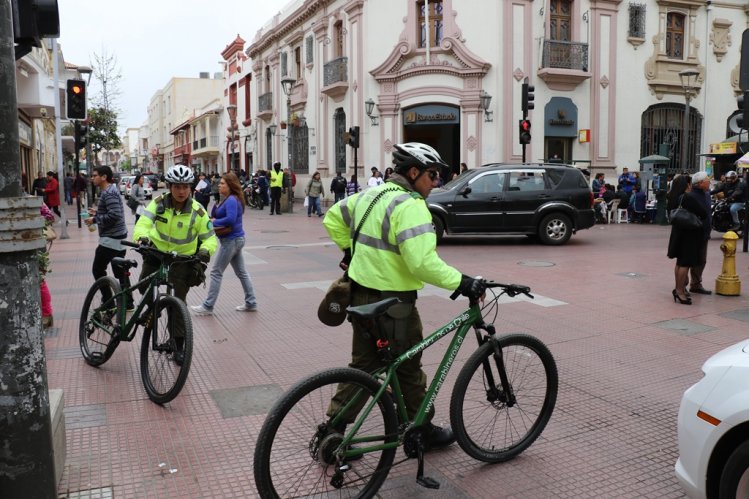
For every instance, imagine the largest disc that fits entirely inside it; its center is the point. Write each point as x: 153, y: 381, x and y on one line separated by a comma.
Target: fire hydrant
x: 728, y: 283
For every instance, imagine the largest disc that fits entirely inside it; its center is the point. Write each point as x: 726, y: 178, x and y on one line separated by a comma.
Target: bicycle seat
x: 372, y: 310
x: 123, y: 263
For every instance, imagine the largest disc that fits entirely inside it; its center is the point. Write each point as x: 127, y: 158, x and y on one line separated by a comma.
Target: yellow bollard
x: 728, y: 283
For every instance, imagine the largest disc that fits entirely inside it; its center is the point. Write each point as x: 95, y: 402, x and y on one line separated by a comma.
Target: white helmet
x: 416, y: 154
x: 179, y: 174
x: 731, y: 174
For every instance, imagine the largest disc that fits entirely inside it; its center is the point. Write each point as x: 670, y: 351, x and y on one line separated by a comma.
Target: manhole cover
x: 282, y: 246
x: 631, y: 275
x: 532, y: 263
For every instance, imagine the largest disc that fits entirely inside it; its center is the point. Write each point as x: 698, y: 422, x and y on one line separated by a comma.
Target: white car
x: 713, y: 428
x: 147, y: 190
x: 125, y: 182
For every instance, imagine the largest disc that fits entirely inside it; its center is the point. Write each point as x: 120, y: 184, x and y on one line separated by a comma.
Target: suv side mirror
x: 465, y: 191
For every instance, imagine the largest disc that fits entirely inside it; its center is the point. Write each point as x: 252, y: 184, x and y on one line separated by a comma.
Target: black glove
x: 346, y: 259
x: 471, y: 287
x: 144, y: 241
x: 204, y: 256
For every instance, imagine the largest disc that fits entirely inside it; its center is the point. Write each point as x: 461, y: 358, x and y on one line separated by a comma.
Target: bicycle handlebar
x: 145, y: 249
x: 510, y: 289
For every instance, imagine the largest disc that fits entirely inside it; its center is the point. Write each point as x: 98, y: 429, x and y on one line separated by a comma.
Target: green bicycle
x: 165, y: 354
x: 501, y: 402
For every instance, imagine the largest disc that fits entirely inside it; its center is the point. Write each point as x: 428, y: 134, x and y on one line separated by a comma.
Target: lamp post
x: 286, y: 84
x: 232, y: 110
x: 688, y: 78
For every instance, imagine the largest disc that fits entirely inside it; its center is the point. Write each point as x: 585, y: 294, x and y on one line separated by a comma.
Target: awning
x: 743, y: 160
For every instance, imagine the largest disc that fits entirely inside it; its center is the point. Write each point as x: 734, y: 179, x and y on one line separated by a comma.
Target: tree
x: 109, y: 76
x: 102, y: 131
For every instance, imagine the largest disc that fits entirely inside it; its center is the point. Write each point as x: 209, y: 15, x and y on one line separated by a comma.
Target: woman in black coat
x: 684, y: 244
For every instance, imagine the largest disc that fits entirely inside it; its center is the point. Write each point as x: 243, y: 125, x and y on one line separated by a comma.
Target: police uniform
x: 184, y: 232
x: 394, y: 255
x: 276, y: 186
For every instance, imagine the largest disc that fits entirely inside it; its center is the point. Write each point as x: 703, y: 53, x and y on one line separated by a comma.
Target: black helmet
x: 416, y: 154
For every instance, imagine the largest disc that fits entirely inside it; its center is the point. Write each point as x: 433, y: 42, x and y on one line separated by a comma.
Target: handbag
x: 684, y: 219
x: 133, y: 203
x: 222, y: 231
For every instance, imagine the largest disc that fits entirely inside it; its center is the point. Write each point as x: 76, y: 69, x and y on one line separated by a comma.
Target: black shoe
x: 437, y: 437
x: 683, y: 301
x: 700, y: 291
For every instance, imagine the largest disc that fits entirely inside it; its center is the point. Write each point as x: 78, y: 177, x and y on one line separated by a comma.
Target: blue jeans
x: 314, y: 206
x: 229, y: 251
x: 735, y: 207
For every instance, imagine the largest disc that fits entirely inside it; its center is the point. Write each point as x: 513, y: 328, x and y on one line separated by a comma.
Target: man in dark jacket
x: 701, y: 193
x: 338, y: 187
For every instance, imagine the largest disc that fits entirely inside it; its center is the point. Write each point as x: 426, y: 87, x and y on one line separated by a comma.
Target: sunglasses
x: 432, y: 174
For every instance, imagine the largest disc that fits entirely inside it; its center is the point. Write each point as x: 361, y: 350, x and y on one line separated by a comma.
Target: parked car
x: 713, y: 428
x: 153, y: 180
x: 125, y: 181
x: 550, y: 201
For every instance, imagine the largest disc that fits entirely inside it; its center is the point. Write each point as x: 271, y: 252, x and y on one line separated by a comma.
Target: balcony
x: 265, y: 106
x: 335, y: 78
x: 205, y: 146
x: 564, y: 64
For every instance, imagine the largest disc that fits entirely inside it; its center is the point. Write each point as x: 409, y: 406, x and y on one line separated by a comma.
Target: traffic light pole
x: 26, y: 460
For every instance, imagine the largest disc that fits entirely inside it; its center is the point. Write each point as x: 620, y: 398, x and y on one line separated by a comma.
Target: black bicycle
x: 501, y: 402
x: 166, y: 348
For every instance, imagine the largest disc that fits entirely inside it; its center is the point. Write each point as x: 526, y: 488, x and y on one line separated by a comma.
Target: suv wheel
x: 555, y: 229
x: 439, y: 227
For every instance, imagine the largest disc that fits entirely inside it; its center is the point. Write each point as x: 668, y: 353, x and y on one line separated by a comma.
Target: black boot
x: 437, y: 437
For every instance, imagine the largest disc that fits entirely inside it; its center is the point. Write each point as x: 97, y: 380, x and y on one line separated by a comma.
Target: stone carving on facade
x: 720, y: 37
x: 388, y: 146
x: 518, y: 74
x: 472, y: 143
x: 604, y: 81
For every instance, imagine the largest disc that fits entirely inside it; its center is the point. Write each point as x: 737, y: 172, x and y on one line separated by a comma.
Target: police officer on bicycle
x: 176, y: 222
x: 393, y: 256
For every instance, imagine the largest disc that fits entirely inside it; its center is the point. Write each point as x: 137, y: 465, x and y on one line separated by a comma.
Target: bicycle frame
x: 126, y: 328
x: 387, y: 377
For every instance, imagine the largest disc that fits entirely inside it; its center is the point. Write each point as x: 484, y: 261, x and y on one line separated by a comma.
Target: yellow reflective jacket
x: 276, y: 178
x: 181, y: 231
x: 396, y: 248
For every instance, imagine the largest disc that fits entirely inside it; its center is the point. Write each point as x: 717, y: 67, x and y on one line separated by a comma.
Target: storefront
x: 437, y: 125
x: 722, y: 156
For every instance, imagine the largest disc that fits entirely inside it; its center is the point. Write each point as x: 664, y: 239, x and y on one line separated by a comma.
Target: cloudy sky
x: 154, y: 40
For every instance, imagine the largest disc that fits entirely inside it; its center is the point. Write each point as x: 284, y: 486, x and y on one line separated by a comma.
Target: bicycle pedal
x: 427, y: 482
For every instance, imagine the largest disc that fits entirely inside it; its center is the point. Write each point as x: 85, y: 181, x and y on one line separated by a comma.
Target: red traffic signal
x: 525, y: 131
x: 76, y: 99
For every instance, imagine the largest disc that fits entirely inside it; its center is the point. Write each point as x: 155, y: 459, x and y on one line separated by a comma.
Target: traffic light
x: 528, y: 97
x: 353, y: 137
x: 76, y: 100
x: 742, y: 102
x: 81, y: 135
x: 525, y: 131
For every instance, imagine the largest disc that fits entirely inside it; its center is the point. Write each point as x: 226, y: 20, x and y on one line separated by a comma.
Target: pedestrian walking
x: 314, y: 191
x: 139, y: 194
x: 52, y: 191
x: 353, y: 186
x: 701, y: 194
x: 203, y: 190
x: 109, y: 217
x: 227, y: 223
x: 338, y: 187
x: 68, y: 186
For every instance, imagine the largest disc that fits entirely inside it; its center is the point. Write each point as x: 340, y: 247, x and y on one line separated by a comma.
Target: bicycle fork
x: 504, y: 392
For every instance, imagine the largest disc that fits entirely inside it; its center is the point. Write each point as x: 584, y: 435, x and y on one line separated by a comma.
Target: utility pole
x: 26, y: 452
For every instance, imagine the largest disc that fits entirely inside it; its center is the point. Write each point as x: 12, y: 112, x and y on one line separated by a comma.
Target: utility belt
x: 404, y: 296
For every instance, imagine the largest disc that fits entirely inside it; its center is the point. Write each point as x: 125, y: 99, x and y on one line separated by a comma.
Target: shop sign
x: 24, y: 133
x: 723, y: 148
x: 583, y: 136
x: 431, y: 114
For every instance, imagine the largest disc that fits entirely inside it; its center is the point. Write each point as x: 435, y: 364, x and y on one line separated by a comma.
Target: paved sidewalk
x: 625, y: 352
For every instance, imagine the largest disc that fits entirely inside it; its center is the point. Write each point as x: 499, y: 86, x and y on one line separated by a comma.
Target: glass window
x: 527, y: 181
x: 435, y: 30
x: 490, y: 183
x: 675, y: 35
x: 560, y: 19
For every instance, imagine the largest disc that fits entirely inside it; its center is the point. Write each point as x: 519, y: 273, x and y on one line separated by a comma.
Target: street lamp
x: 369, y: 105
x: 286, y: 83
x: 486, y: 99
x: 688, y: 78
x: 232, y: 110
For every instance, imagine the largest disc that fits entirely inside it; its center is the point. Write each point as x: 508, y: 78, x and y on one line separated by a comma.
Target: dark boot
x: 437, y: 437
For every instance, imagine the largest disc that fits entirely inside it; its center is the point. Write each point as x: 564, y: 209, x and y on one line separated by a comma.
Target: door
x: 526, y: 192
x: 558, y: 150
x: 480, y: 210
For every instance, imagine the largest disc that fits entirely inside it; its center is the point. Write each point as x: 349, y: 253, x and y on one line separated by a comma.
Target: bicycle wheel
x: 488, y: 425
x: 164, y: 358
x: 98, y: 332
x: 295, y: 455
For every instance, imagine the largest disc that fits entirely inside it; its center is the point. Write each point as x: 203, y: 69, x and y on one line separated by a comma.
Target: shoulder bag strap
x: 366, y: 214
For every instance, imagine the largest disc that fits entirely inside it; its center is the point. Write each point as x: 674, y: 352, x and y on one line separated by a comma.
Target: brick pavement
x: 625, y: 354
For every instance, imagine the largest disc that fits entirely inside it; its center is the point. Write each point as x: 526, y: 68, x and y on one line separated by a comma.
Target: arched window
x: 662, y: 133
x: 299, y: 136
x: 433, y: 32
x: 675, y: 35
